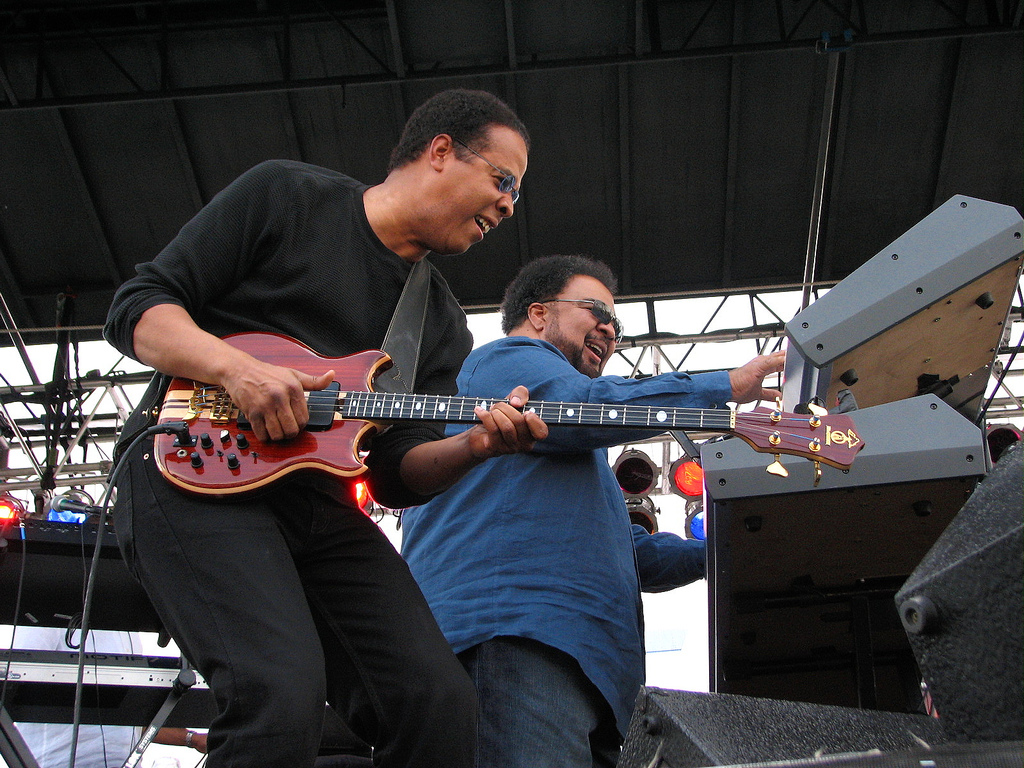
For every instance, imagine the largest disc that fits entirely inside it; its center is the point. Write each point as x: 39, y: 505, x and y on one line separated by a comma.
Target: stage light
x: 361, y: 493
x: 695, y: 527
x: 10, y: 508
x: 642, y: 512
x: 686, y: 478
x: 636, y: 474
x: 1000, y: 437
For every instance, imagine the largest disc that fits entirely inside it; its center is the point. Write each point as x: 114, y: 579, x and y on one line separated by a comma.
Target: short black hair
x: 544, y: 279
x: 462, y: 114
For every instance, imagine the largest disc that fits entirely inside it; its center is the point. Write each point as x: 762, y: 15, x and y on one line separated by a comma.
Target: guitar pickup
x: 321, y: 404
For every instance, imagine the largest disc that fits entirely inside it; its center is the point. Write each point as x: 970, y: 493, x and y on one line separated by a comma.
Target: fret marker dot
x: 418, y: 406
x: 613, y: 414
x: 661, y: 415
x: 440, y: 407
x: 531, y: 410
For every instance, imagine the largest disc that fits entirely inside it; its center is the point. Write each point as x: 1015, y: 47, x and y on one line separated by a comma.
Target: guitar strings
x: 368, y: 400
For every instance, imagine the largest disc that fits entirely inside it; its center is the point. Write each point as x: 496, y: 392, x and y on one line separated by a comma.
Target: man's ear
x: 440, y: 150
x: 537, y: 317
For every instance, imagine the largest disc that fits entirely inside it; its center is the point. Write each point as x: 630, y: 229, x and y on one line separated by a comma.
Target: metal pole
x: 820, y: 177
x: 12, y: 329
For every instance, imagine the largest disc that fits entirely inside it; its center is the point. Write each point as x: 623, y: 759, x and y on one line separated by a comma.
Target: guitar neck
x: 389, y: 407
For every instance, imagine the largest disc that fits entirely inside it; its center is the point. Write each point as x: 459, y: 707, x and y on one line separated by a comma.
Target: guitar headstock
x: 821, y: 437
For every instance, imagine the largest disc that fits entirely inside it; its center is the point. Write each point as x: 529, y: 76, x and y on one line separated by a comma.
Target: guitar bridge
x: 215, y: 400
x: 220, y: 408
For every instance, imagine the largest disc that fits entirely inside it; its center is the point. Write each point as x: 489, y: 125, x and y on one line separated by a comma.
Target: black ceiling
x: 682, y: 141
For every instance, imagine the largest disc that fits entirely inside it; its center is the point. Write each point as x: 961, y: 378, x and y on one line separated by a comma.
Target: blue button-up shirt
x: 539, y: 545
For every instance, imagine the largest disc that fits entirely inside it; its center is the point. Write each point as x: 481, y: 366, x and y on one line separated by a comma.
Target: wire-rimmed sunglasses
x: 601, y: 311
x: 507, y: 186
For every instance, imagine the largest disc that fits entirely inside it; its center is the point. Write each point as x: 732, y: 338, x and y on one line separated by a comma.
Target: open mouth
x: 596, y: 348
x: 481, y: 222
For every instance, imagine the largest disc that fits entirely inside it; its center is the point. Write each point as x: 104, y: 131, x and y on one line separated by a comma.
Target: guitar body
x: 334, y: 450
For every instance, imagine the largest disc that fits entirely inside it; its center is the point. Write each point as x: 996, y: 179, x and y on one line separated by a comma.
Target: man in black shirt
x: 294, y: 598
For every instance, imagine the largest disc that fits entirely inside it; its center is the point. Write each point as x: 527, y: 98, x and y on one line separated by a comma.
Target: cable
x: 74, y: 623
x: 17, y: 611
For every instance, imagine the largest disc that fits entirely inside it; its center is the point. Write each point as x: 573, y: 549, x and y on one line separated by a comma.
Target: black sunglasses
x: 599, y: 310
x: 507, y: 186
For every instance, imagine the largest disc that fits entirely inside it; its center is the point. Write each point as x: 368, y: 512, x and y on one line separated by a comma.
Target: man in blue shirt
x: 529, y: 563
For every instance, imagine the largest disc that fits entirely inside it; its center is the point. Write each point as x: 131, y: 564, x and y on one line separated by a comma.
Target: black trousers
x: 288, y: 600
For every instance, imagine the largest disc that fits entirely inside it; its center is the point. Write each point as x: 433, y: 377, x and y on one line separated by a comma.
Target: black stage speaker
x: 962, y: 610
x: 48, y: 560
x: 683, y: 728
x: 801, y: 579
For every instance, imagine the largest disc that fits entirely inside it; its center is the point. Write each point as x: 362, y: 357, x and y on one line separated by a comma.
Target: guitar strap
x: 402, y: 341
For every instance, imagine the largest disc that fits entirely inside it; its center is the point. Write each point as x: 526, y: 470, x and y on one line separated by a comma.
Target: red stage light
x: 362, y: 495
x: 999, y: 438
x: 687, y: 478
x: 10, y: 508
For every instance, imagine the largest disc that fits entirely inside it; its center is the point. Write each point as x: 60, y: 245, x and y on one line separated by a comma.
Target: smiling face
x: 581, y: 337
x: 467, y: 201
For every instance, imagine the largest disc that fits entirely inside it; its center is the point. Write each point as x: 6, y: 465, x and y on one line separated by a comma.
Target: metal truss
x: 97, y: 405
x: 653, y: 31
x: 52, y: 463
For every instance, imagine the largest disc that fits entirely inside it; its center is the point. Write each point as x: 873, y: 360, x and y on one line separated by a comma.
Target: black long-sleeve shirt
x: 287, y: 248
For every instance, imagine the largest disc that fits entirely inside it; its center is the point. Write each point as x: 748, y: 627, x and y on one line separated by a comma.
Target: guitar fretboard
x: 385, y: 406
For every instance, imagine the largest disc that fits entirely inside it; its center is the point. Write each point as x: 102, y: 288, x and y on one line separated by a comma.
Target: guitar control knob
x: 225, y: 436
x: 205, y: 440
x: 232, y: 461
x: 241, y: 441
x: 195, y: 459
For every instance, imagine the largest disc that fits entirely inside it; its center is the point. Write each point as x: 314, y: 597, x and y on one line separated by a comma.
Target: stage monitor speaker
x: 962, y: 610
x: 926, y: 314
x: 801, y: 577
x: 678, y: 729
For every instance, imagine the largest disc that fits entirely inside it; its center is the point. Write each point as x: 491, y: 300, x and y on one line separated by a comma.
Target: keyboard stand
x: 185, y: 680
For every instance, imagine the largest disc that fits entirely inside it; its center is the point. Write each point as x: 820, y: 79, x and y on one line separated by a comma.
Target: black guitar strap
x: 402, y: 342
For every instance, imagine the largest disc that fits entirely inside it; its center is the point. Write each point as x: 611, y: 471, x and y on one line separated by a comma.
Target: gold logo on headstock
x: 834, y: 436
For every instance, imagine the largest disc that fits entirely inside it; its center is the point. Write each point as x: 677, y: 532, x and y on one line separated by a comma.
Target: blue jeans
x: 537, y: 709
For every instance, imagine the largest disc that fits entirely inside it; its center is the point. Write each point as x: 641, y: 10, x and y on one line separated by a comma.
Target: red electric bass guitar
x: 226, y: 458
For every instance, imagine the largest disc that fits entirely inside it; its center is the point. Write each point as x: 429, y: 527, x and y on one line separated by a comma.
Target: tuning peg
x: 817, y: 473
x: 776, y: 468
x: 817, y: 410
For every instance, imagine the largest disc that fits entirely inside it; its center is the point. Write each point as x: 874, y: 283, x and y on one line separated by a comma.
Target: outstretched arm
x: 432, y: 467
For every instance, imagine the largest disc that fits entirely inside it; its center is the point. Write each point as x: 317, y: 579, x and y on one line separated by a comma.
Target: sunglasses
x: 507, y: 186
x: 598, y: 309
